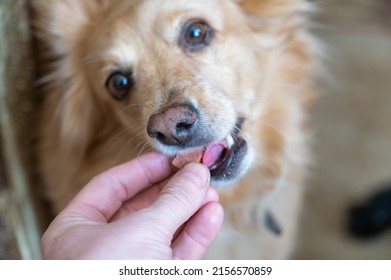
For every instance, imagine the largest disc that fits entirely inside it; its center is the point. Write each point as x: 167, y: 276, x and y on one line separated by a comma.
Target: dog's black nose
x: 174, y: 126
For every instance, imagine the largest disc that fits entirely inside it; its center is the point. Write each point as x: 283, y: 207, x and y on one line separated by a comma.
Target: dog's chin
x: 232, y: 162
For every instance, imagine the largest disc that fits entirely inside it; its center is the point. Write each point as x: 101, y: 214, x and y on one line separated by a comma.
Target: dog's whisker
x: 121, y: 133
x: 284, y: 86
x: 113, y: 138
x: 139, y: 135
x: 143, y: 148
x: 131, y: 106
x: 249, y: 99
x: 120, y: 152
x: 305, y: 146
x: 125, y: 146
x: 265, y: 123
x: 138, y: 132
x: 262, y: 101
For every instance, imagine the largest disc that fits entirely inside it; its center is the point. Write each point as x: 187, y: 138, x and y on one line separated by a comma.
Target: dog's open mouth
x: 223, y: 158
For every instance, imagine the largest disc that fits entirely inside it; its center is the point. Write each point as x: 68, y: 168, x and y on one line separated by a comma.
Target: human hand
x: 138, y: 211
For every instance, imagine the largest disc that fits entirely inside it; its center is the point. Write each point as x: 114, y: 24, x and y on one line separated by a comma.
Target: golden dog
x: 231, y: 77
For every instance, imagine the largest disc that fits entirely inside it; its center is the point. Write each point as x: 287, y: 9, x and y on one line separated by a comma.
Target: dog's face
x: 180, y: 75
x: 177, y: 75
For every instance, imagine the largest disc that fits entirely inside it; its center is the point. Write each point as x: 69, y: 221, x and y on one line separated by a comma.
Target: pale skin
x: 138, y: 210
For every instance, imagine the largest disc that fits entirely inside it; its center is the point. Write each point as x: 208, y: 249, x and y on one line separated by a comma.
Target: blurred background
x: 352, y: 137
x: 352, y: 145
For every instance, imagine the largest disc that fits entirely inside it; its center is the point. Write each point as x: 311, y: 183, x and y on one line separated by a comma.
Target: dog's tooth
x: 230, y: 141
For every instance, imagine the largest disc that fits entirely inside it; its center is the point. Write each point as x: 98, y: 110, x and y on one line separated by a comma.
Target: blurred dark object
x: 373, y: 217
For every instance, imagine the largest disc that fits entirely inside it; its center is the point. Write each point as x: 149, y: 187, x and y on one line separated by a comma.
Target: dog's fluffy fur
x: 258, y: 66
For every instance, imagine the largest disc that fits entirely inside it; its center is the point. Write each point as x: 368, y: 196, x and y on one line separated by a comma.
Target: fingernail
x: 196, y: 173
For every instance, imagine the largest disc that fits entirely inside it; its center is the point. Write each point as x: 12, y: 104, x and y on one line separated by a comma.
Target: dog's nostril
x: 159, y: 136
x: 184, y: 126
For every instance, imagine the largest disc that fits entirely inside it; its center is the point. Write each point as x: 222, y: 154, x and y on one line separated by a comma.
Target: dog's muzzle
x: 180, y: 127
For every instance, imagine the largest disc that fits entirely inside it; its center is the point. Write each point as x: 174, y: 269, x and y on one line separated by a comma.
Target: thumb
x: 182, y: 196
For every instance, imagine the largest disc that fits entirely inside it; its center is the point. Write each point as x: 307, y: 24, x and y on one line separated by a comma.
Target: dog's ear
x: 61, y: 22
x: 274, y: 21
x: 60, y: 27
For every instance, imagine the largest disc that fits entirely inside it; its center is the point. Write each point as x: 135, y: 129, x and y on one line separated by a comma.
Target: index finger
x: 105, y: 194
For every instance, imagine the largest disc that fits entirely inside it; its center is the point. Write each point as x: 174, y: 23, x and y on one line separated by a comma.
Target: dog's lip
x: 231, y: 152
x: 223, y: 158
x: 227, y: 166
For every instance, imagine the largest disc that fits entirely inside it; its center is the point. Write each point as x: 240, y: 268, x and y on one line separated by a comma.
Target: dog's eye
x: 119, y: 85
x: 196, y: 35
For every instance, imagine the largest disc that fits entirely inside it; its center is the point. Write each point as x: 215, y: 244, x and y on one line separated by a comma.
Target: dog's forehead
x: 170, y: 9
x: 139, y: 24
x: 167, y: 16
